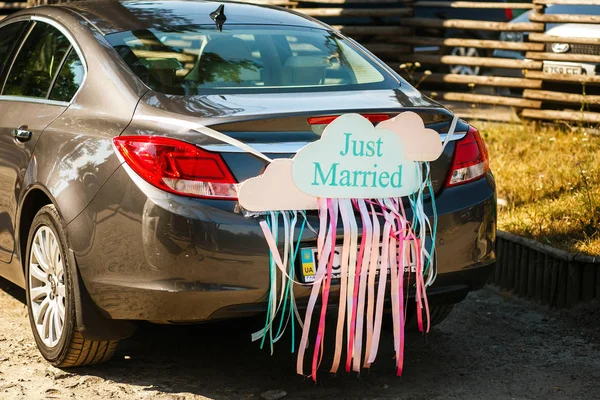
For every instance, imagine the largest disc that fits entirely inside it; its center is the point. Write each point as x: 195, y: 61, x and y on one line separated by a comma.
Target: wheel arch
x: 34, y: 199
x: 90, y: 321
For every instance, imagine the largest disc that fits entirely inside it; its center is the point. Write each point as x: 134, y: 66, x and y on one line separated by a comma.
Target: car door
x: 25, y: 110
x: 10, y: 35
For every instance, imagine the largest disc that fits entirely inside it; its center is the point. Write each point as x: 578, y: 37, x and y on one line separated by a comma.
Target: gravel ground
x: 492, y: 346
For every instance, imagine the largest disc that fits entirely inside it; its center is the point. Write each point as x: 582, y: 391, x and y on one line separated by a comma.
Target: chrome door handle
x: 21, y: 134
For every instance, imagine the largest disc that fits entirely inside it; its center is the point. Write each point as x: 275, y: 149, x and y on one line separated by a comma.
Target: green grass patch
x: 548, y: 181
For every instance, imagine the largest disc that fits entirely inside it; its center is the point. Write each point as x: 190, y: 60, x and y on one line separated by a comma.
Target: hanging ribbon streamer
x: 364, y: 270
x: 386, y: 254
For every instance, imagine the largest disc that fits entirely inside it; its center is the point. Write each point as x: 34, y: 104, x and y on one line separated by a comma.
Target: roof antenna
x: 219, y: 17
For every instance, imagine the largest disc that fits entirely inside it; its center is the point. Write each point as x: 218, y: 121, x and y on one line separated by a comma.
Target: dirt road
x: 492, y: 347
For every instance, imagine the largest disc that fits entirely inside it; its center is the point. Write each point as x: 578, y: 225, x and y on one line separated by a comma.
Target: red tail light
x: 326, y: 120
x: 177, y: 167
x: 470, y: 159
x: 508, y: 12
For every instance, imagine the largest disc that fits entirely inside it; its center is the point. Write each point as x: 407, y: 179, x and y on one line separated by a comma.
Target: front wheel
x: 465, y: 52
x: 50, y: 296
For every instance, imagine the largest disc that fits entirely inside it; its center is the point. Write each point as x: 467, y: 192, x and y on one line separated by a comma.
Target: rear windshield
x: 195, y: 60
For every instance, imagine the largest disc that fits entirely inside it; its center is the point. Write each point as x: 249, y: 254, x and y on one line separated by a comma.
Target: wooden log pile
x: 546, y: 96
x: 390, y: 29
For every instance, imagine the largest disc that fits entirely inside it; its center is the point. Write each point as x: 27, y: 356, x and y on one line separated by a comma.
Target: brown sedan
x: 115, y: 207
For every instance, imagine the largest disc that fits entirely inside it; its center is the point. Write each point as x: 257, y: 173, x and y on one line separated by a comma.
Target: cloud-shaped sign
x: 420, y: 143
x: 275, y: 190
x: 351, y: 160
x: 355, y: 160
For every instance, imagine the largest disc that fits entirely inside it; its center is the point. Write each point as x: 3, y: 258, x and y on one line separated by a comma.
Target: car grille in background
x: 591, y: 49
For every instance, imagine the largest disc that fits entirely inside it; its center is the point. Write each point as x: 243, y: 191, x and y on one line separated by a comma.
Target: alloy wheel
x: 465, y: 69
x: 47, y: 289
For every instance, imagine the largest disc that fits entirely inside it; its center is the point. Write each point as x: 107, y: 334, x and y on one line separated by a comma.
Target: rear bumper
x: 449, y: 288
x: 147, y: 255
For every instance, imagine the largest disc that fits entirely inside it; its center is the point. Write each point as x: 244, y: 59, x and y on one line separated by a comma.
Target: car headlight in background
x: 511, y: 36
x: 560, y: 47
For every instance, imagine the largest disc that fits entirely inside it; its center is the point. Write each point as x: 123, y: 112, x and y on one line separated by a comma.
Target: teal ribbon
x: 289, y: 284
x: 435, y: 218
x: 288, y: 307
x: 271, y: 223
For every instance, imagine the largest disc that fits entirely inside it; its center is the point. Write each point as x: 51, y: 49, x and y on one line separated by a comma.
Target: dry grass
x: 548, y: 183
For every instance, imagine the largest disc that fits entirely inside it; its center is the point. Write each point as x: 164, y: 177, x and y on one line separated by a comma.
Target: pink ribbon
x: 324, y: 250
x: 332, y: 205
x: 346, y: 213
x: 371, y: 285
x: 360, y: 282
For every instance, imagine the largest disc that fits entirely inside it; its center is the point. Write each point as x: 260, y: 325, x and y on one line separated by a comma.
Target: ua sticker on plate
x: 355, y: 160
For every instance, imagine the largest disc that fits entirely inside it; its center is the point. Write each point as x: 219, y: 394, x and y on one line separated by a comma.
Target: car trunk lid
x: 278, y: 125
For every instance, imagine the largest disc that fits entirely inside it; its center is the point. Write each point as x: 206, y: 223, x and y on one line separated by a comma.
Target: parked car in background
x: 561, y: 45
x: 477, y: 14
x: 115, y: 209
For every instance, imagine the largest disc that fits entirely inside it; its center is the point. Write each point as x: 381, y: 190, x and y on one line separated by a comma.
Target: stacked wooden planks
x: 379, y: 25
x: 573, y: 102
x: 483, y: 88
x: 390, y: 30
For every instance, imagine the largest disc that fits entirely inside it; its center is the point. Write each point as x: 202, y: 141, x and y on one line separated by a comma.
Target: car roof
x: 112, y: 16
x: 563, y: 9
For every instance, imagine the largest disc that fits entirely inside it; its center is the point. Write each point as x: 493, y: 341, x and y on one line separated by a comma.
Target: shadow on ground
x: 491, y: 346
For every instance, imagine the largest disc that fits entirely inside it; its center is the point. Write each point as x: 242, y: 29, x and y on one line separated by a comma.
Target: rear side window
x: 191, y: 60
x: 37, y: 62
x: 69, y: 78
x: 9, y: 36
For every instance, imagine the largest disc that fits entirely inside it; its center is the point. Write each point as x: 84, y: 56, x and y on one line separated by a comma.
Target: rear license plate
x: 308, y: 260
x: 562, y: 69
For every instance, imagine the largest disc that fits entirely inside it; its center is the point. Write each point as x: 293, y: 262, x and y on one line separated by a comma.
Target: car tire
x: 437, y: 313
x: 49, y: 274
x: 465, y: 69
